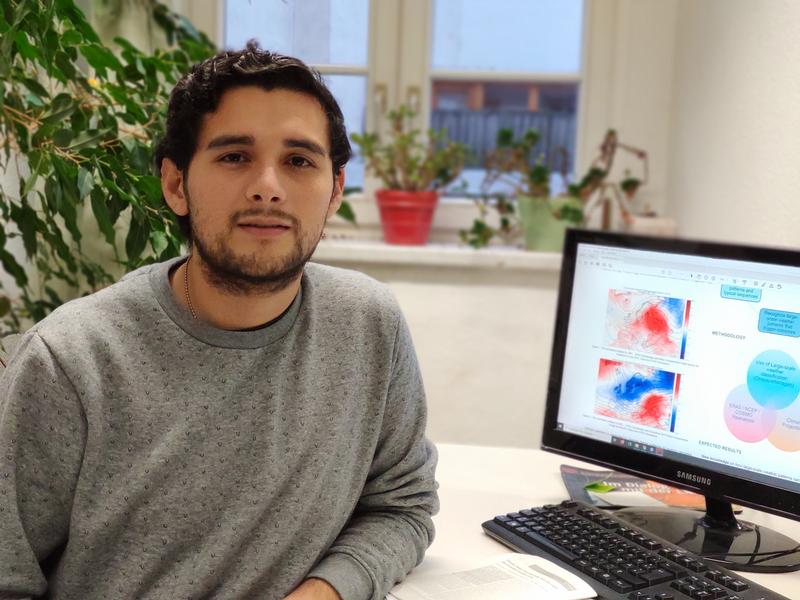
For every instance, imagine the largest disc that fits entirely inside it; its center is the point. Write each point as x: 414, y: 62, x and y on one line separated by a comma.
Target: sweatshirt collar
x: 204, y: 332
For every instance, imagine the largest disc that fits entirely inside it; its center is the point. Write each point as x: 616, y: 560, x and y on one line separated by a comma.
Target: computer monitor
x: 677, y: 361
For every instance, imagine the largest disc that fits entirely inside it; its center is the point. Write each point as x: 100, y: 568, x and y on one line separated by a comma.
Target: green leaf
x: 151, y: 186
x: 35, y: 87
x: 5, y: 306
x: 158, y: 240
x: 12, y: 267
x: 598, y: 487
x: 31, y: 180
x: 65, y: 65
x: 53, y: 194
x: 71, y: 38
x: 29, y: 224
x: 61, y: 108
x: 62, y: 137
x: 52, y: 234
x: 100, y: 210
x: 124, y: 195
x: 51, y: 42
x: 346, y: 212
x: 126, y: 45
x: 136, y: 240
x: 504, y: 137
x: 100, y: 58
x: 85, y: 182
x: 67, y: 208
x: 86, y: 139
x: 77, y: 19
x: 53, y: 296
x: 35, y: 100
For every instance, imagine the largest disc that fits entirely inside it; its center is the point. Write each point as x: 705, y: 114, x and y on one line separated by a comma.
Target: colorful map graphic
x: 647, y: 323
x: 636, y: 393
x: 767, y: 406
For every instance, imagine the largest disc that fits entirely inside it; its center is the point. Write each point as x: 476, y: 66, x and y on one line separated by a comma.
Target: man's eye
x: 300, y: 161
x: 233, y: 157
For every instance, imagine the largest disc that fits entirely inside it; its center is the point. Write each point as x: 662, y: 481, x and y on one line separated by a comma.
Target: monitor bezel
x: 723, y: 486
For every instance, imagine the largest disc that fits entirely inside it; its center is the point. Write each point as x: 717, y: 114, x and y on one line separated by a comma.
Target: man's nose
x: 266, y: 185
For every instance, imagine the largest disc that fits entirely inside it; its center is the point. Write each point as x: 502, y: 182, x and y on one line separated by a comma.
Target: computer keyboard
x: 618, y: 560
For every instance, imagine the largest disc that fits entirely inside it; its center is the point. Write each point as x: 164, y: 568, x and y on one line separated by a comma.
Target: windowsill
x: 435, y: 255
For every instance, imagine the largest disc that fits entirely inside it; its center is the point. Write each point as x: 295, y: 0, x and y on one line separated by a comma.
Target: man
x: 237, y: 424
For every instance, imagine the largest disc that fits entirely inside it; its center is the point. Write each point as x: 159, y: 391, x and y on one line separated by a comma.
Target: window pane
x: 474, y: 111
x: 350, y: 92
x: 536, y: 36
x: 507, y: 35
x: 320, y: 32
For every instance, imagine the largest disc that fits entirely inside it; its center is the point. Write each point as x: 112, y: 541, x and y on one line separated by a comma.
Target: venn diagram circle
x: 766, y: 407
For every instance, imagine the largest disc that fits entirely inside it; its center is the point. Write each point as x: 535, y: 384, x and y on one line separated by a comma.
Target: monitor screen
x: 679, y: 361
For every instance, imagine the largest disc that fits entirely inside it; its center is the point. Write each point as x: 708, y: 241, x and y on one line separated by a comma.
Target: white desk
x: 477, y: 483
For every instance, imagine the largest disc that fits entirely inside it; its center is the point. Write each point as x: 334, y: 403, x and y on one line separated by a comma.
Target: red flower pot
x: 406, y: 216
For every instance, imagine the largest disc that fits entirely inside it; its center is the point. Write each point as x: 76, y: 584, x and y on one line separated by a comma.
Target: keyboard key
x: 620, y: 585
x: 724, y: 580
x: 738, y: 586
x: 605, y: 578
x: 696, y: 566
x: 657, y: 576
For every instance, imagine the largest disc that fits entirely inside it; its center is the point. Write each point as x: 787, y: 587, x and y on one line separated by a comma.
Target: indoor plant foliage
x: 81, y: 146
x: 81, y: 143
x: 598, y: 191
x: 525, y: 206
x: 411, y: 171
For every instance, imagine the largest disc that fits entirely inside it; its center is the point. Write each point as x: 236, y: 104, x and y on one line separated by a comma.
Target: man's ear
x: 172, y: 188
x: 338, y: 193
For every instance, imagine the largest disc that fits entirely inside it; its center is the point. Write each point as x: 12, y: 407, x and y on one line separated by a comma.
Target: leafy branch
x: 81, y: 144
x: 403, y: 162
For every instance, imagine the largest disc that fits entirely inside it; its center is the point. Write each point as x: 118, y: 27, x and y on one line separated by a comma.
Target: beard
x: 247, y: 274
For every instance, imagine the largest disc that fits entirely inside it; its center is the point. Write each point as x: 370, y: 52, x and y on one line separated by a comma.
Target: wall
x: 735, y: 165
x: 628, y: 67
x: 483, y: 340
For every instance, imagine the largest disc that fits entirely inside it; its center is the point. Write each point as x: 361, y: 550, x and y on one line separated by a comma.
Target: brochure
x: 508, y: 577
x: 611, y: 489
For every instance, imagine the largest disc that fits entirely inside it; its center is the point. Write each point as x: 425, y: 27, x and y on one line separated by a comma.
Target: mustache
x: 275, y: 213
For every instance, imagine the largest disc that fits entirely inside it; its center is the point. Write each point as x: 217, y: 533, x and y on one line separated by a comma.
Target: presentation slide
x: 687, y: 355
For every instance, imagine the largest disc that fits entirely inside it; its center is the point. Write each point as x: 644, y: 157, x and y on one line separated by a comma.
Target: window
x: 469, y: 66
x: 331, y: 35
x: 510, y: 64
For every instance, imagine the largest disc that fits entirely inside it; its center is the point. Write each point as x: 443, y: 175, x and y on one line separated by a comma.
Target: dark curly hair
x: 200, y: 91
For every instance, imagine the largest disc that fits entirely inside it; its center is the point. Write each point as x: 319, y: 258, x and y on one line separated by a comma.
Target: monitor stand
x: 719, y: 536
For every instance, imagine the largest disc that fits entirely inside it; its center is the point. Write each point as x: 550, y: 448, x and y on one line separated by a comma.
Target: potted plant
x: 412, y: 173
x: 597, y: 191
x: 518, y: 188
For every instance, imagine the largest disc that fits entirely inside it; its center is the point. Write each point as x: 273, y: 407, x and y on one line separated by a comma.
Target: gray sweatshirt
x: 145, y: 454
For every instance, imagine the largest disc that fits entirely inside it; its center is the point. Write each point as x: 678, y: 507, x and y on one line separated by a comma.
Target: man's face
x: 259, y: 188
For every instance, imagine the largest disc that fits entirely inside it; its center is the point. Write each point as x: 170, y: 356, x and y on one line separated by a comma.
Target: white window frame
x: 399, y: 72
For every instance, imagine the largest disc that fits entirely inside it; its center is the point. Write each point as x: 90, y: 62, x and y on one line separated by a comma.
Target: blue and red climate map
x: 647, y: 323
x: 636, y: 393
